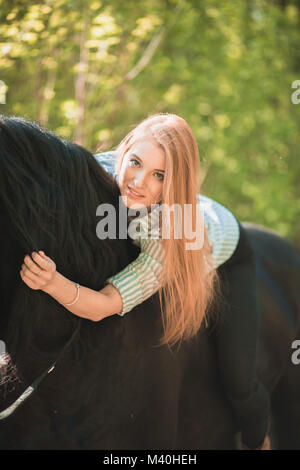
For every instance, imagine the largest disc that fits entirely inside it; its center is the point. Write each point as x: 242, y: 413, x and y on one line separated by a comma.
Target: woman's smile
x: 133, y: 193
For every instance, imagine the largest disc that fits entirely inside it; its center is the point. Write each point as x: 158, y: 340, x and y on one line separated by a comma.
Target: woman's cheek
x: 123, y: 175
x: 156, y: 194
x: 159, y: 187
x: 128, y: 175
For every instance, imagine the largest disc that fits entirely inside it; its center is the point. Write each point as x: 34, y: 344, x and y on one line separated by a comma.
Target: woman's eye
x: 159, y: 176
x: 133, y: 162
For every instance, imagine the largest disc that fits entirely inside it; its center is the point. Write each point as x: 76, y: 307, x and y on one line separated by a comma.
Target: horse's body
x: 117, y: 391
x: 112, y: 388
x: 278, y: 269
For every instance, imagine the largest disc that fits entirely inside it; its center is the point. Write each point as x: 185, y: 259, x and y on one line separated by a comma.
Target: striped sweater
x: 141, y: 279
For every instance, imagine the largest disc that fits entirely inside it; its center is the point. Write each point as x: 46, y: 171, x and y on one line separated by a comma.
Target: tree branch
x: 152, y: 46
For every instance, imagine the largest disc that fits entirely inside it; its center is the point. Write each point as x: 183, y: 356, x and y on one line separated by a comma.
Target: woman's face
x: 142, y: 173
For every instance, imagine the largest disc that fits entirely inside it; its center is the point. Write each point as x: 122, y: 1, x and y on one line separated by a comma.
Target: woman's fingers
x: 29, y: 274
x: 43, y: 254
x: 38, y: 271
x: 45, y: 257
x: 43, y: 261
x: 31, y: 265
x: 38, y: 263
x: 29, y: 278
x: 30, y: 283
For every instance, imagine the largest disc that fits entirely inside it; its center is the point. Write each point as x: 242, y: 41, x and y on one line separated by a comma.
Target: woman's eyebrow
x: 138, y: 158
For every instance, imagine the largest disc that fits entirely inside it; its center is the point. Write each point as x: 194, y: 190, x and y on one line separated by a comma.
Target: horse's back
x: 278, y: 269
x: 278, y: 275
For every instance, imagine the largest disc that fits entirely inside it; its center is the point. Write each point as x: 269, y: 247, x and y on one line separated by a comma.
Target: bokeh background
x: 90, y: 71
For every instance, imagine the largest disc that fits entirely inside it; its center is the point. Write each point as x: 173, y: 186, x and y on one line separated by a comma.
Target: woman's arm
x: 39, y: 272
x: 133, y: 285
x: 125, y: 290
x: 142, y: 278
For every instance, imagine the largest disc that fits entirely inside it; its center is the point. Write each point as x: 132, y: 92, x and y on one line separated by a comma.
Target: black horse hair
x: 49, y: 191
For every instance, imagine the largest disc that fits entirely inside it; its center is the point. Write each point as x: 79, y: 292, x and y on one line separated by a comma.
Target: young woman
x: 158, y: 164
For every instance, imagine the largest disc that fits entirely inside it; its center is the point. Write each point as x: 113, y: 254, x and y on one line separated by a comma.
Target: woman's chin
x: 136, y: 205
x: 132, y: 203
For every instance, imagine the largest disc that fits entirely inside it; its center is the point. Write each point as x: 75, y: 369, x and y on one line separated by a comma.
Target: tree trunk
x: 80, y: 85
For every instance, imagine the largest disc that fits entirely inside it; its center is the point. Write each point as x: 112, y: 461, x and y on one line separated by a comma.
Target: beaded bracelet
x: 77, y: 296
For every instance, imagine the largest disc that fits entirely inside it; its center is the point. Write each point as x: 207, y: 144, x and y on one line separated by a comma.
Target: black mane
x: 49, y: 192
x: 50, y: 189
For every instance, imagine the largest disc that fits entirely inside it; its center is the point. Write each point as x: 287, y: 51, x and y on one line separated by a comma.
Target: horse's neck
x: 11, y: 260
x: 16, y: 323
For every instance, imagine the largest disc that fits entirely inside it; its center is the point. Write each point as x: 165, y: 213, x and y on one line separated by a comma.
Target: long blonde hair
x: 190, y: 282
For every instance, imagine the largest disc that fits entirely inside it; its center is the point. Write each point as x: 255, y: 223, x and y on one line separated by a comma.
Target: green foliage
x: 226, y: 67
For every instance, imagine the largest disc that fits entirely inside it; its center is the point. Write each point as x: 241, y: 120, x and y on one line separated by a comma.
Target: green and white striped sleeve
x: 141, y: 278
x: 222, y: 229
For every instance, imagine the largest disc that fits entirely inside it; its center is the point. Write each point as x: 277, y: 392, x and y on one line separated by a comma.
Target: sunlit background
x: 90, y: 71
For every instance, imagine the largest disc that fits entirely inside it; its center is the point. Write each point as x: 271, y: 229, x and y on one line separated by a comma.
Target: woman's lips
x: 134, y: 193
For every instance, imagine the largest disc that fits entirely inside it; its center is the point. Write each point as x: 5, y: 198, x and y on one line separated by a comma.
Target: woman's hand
x: 39, y: 271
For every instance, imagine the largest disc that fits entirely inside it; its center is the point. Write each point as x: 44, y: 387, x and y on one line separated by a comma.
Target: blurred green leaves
x: 90, y: 71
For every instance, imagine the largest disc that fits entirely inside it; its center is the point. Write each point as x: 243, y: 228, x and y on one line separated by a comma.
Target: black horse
x: 112, y: 387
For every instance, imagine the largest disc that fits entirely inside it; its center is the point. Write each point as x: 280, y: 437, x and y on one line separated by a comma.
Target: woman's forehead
x: 149, y: 152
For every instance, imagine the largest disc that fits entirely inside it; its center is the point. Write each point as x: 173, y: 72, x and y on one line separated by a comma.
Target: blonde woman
x: 158, y: 165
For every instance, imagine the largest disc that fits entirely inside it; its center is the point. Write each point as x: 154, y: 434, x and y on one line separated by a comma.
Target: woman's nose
x: 139, y: 179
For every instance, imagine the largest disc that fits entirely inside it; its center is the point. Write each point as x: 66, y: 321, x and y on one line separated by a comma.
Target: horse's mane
x: 49, y: 192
